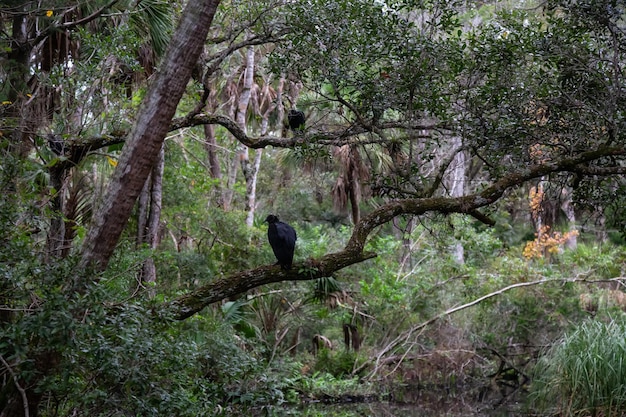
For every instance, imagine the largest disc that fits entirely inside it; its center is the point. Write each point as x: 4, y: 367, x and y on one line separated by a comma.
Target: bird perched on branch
x: 282, y: 238
x: 296, y: 119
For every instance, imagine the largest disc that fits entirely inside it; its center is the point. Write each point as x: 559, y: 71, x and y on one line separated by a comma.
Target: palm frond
x: 154, y: 20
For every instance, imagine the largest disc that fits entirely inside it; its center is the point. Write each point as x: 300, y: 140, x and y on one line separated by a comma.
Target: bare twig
x: 405, y: 336
x: 21, y: 390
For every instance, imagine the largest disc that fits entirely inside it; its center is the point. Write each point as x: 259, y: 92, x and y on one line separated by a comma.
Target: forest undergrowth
x: 388, y: 329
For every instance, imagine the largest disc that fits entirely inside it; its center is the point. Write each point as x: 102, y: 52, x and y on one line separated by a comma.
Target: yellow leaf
x: 6, y: 103
x: 49, y: 13
x: 112, y: 161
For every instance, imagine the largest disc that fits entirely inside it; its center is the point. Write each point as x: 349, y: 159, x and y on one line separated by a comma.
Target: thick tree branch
x: 470, y: 203
x: 76, y: 149
x: 340, y: 137
x: 600, y: 171
x: 353, y: 253
x: 73, y: 151
x: 235, y: 284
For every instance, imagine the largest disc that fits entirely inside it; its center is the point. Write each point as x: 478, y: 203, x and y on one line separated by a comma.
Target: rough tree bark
x: 144, y: 144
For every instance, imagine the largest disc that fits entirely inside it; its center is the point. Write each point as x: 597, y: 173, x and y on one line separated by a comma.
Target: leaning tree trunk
x: 139, y: 155
x: 141, y: 151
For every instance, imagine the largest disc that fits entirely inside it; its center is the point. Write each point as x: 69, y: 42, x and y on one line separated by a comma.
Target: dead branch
x: 404, y: 337
x: 19, y: 388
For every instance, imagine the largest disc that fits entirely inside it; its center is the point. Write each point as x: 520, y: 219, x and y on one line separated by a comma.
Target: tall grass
x: 585, y: 373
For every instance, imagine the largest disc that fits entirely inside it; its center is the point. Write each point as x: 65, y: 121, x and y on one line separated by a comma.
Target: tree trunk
x: 241, y: 157
x: 244, y: 154
x: 18, y: 74
x: 259, y: 152
x: 211, y: 148
x: 142, y: 148
x: 568, y: 209
x: 143, y: 210
x: 139, y: 155
x: 56, y: 234
x: 251, y: 188
x: 536, y: 206
x: 456, y: 188
x: 149, y: 220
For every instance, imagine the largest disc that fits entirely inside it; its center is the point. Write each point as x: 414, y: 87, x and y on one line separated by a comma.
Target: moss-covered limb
x: 225, y: 287
x: 237, y: 283
x: 471, y: 203
x: 339, y: 137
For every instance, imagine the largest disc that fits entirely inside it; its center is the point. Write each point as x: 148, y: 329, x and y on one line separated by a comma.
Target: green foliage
x: 584, y: 372
x: 369, y: 54
x: 337, y: 364
x: 322, y: 385
x: 123, y: 357
x: 504, y: 80
x: 603, y: 261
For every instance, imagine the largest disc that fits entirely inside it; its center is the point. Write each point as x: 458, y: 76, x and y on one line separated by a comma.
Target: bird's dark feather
x: 282, y: 238
x: 296, y: 119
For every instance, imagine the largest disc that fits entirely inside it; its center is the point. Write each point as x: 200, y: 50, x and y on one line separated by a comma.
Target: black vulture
x: 282, y: 239
x: 296, y: 119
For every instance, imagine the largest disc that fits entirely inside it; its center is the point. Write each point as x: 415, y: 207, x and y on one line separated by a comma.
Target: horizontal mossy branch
x: 339, y: 137
x: 471, y: 203
x: 75, y: 149
x: 240, y: 282
x: 222, y: 288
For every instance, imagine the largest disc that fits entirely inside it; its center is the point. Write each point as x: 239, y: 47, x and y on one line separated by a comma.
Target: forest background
x: 457, y: 191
